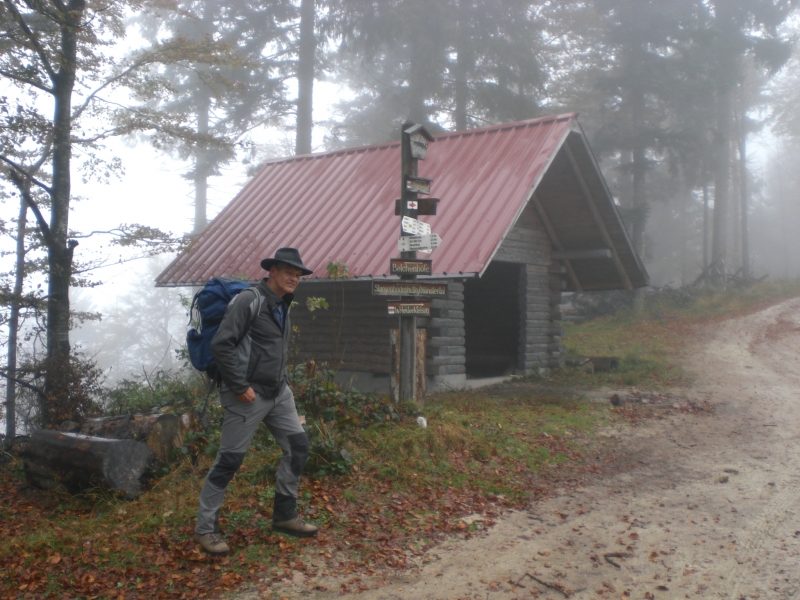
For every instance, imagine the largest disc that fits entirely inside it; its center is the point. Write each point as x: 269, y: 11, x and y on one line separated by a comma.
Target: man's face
x: 283, y: 279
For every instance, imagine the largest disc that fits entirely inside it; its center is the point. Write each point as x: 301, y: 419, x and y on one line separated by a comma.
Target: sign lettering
x: 399, y: 266
x: 415, y: 227
x: 423, y: 243
x: 419, y: 309
x: 409, y: 288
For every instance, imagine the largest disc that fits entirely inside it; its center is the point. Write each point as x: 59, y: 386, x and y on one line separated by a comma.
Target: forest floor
x: 700, y: 503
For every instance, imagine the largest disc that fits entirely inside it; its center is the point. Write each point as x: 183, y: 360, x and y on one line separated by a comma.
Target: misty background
x: 692, y: 109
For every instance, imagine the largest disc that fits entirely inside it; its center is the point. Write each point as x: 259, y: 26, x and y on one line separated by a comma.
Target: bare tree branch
x: 27, y: 174
x: 16, y: 177
x: 24, y: 383
x: 26, y: 81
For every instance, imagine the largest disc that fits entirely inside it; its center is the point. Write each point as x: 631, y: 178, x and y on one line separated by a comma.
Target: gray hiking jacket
x: 253, y: 356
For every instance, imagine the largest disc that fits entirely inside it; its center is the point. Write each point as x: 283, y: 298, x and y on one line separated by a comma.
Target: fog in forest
x: 691, y: 109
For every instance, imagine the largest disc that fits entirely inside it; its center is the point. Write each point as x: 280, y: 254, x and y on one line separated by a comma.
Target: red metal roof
x: 339, y: 206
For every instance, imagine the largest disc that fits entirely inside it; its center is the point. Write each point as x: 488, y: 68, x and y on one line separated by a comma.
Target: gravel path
x: 705, y: 506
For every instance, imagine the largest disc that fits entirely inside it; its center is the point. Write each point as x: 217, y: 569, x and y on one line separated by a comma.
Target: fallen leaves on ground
x: 121, y: 559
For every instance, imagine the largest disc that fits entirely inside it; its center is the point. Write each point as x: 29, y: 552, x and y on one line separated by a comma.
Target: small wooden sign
x: 419, y: 146
x: 418, y: 185
x: 417, y: 309
x: 424, y: 206
x: 419, y: 138
x: 409, y: 288
x: 399, y: 266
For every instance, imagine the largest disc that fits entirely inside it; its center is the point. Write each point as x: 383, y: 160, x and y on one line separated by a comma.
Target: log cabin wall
x: 445, y: 347
x: 352, y: 334
x: 538, y: 314
x: 354, y: 330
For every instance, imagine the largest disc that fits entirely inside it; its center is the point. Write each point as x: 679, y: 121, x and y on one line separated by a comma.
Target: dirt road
x: 708, y: 507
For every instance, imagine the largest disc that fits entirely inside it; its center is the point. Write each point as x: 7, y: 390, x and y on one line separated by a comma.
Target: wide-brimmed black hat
x: 290, y: 256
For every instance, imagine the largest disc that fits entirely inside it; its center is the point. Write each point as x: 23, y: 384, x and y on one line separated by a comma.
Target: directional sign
x: 418, y: 185
x: 419, y: 309
x: 423, y: 243
x: 423, y: 206
x: 407, y: 266
x: 414, y: 227
x: 409, y: 288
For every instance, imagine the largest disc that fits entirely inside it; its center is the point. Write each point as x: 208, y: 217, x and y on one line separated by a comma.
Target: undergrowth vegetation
x: 382, y: 487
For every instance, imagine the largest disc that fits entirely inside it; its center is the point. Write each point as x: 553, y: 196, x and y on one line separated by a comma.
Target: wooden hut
x: 524, y: 214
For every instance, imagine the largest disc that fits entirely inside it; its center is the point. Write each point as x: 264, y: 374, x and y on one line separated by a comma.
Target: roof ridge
x: 446, y: 134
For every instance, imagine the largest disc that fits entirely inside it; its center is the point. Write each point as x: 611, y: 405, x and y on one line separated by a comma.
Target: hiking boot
x: 212, y: 543
x: 296, y: 527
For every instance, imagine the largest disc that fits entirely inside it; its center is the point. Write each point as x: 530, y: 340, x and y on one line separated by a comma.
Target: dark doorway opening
x: 491, y: 321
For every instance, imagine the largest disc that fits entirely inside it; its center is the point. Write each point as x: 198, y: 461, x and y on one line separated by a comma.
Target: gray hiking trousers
x: 239, y: 426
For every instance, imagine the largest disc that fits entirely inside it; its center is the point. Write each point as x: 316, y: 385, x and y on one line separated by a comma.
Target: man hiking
x: 251, y: 349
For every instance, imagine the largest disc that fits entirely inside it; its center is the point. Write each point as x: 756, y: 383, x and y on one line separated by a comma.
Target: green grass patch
x: 651, y: 345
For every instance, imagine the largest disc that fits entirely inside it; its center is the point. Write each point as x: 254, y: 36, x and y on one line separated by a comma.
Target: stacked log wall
x: 353, y: 330
x: 557, y: 352
x: 539, y: 293
x: 359, y: 335
x: 445, y: 348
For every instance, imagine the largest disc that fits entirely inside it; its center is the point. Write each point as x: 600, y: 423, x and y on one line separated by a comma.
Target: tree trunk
x: 743, y: 191
x: 13, y: 327
x: 201, y: 169
x: 76, y: 462
x: 161, y: 432
x: 417, y: 112
x: 463, y: 66
x: 306, y: 59
x: 59, y: 254
x: 726, y: 71
x: 722, y: 143
x: 706, y: 223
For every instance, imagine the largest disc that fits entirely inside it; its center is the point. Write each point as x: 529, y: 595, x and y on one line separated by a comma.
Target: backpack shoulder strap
x: 257, y: 311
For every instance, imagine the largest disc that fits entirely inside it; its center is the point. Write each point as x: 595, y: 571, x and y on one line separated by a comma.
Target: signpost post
x: 414, y: 147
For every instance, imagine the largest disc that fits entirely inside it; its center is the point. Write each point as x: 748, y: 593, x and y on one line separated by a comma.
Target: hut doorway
x: 491, y: 321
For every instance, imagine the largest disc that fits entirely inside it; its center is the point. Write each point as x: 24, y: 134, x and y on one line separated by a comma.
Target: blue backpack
x: 210, y: 304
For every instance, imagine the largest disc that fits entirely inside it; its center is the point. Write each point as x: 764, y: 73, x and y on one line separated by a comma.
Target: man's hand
x: 248, y: 396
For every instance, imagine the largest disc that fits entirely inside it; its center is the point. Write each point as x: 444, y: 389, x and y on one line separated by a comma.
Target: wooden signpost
x: 414, y: 236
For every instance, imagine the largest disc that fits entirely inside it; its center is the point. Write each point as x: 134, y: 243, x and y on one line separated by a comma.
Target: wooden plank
x: 394, y: 372
x: 600, y: 253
